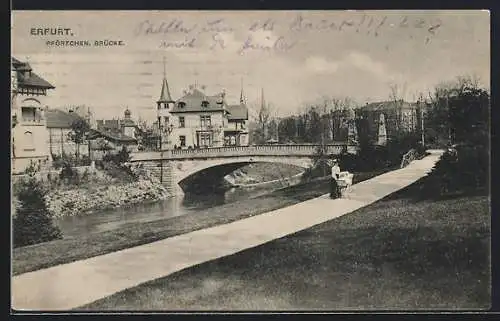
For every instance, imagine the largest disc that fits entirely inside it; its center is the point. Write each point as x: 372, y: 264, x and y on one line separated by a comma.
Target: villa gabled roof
x: 33, y: 81
x: 15, y: 61
x: 193, y: 103
x: 27, y: 78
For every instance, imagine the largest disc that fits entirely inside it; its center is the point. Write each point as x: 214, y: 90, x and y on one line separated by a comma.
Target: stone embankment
x: 97, y: 192
x: 84, y: 201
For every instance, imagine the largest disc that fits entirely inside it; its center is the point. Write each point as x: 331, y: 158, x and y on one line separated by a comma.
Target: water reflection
x: 114, y: 218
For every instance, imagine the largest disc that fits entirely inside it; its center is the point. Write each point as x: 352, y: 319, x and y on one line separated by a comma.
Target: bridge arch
x: 191, y: 175
x: 185, y: 169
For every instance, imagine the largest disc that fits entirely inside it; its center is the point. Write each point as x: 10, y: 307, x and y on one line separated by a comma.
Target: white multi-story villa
x: 197, y: 120
x: 29, y: 131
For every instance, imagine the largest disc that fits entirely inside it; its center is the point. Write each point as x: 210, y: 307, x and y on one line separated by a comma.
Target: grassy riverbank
x: 264, y: 172
x: 394, y: 254
x: 35, y: 257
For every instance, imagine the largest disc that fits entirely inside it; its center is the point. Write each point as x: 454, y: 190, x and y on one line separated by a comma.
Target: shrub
x: 123, y: 156
x: 85, y: 175
x: 69, y: 174
x: 122, y: 173
x: 464, y: 170
x: 32, y: 169
x: 60, y: 161
x: 33, y: 223
x: 369, y: 158
x: 57, y: 161
x: 120, y: 158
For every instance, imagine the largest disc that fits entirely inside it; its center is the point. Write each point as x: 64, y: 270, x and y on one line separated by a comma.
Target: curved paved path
x: 74, y: 284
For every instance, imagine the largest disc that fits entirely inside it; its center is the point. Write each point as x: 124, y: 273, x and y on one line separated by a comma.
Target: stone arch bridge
x: 187, y: 170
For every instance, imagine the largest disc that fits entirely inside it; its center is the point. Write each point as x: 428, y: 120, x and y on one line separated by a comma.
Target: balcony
x: 210, y: 128
x: 32, y: 121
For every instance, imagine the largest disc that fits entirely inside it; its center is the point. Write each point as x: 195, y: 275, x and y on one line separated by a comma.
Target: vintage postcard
x: 250, y: 161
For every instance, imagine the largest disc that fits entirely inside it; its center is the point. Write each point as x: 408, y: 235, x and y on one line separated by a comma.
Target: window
x: 205, y: 139
x: 182, y: 123
x: 205, y: 121
x: 181, y: 104
x: 28, y: 114
x: 29, y: 142
x: 182, y: 140
x: 204, y: 103
x: 166, y: 119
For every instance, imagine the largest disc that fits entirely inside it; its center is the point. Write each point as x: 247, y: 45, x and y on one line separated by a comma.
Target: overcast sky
x: 314, y: 54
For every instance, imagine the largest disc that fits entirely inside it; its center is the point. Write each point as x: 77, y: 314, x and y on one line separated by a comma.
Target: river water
x: 176, y: 206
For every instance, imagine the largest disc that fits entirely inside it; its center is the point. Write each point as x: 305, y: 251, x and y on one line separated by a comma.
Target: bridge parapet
x: 235, y: 151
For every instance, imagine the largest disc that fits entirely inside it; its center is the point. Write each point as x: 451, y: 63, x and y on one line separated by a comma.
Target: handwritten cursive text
x: 147, y: 27
x: 188, y: 42
x: 279, y: 44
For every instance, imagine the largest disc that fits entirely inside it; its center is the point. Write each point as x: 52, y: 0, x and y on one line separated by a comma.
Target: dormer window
x: 181, y: 104
x: 205, y: 102
x: 220, y: 99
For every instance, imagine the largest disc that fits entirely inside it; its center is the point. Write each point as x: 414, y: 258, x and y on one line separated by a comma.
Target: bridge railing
x: 233, y: 151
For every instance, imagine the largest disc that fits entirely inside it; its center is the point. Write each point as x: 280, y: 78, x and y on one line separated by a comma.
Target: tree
x: 123, y: 156
x: 32, y: 223
x: 459, y: 112
x: 120, y: 158
x: 288, y: 129
x: 315, y: 131
x: 469, y: 116
x: 263, y: 117
x: 336, y: 112
x: 101, y: 144
x: 79, y: 130
x: 397, y: 94
x: 273, y: 129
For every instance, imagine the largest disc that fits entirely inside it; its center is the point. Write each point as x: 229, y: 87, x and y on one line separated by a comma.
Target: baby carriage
x: 344, y: 182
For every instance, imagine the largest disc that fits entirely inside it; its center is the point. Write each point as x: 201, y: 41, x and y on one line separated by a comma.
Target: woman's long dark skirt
x: 334, y: 189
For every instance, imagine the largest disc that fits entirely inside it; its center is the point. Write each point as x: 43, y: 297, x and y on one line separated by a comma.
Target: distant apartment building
x: 126, y: 126
x: 116, y: 133
x: 197, y: 120
x: 29, y: 134
x: 400, y: 117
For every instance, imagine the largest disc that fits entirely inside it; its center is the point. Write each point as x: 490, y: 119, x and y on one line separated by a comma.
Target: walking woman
x: 334, y: 186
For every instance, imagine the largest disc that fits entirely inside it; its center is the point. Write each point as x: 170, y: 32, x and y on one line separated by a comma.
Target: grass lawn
x: 35, y: 257
x: 393, y: 254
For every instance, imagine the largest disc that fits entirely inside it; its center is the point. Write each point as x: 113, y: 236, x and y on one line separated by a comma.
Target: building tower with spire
x: 164, y: 105
x: 242, y: 95
x: 128, y: 125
